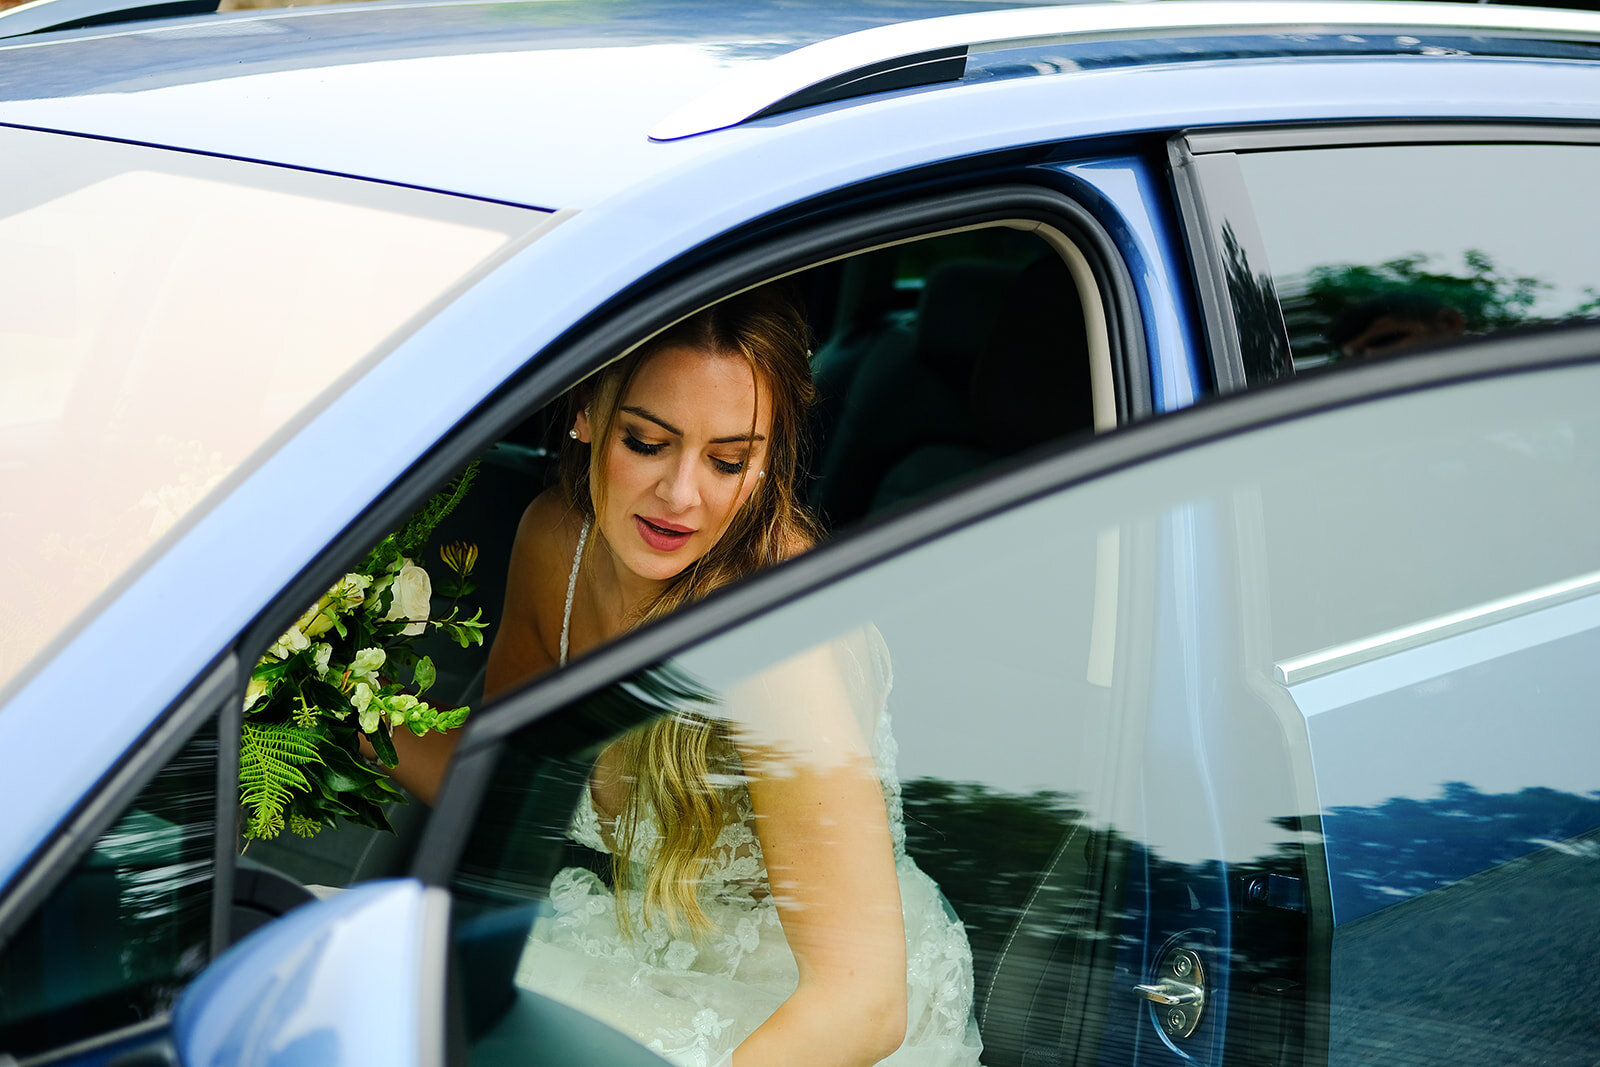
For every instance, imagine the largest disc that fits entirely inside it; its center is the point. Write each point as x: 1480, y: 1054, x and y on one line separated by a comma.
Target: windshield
x: 162, y: 317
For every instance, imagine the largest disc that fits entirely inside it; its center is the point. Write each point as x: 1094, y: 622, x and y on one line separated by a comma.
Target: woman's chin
x: 655, y: 566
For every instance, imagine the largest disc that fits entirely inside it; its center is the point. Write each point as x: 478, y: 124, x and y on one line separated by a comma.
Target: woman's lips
x: 662, y: 536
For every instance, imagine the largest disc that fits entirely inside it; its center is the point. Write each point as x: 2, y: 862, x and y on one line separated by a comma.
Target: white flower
x: 368, y: 662
x: 321, y: 653
x: 413, y: 599
x: 353, y: 588
x: 253, y: 692
x: 290, y: 643
x: 370, y: 718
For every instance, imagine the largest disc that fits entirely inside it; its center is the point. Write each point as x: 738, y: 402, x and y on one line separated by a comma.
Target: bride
x: 761, y: 908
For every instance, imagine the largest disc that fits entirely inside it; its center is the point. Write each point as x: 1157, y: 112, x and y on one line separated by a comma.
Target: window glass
x: 941, y: 837
x: 165, y: 316
x: 1377, y: 249
x: 1435, y: 606
x: 129, y: 925
x: 1294, y: 726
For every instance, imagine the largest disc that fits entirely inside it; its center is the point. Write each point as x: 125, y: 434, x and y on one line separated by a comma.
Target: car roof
x: 491, y: 98
x: 549, y: 104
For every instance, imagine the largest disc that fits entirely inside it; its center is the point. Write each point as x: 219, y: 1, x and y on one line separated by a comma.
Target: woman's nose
x: 679, y: 487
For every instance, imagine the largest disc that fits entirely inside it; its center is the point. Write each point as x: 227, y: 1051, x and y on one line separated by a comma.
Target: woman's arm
x: 825, y: 836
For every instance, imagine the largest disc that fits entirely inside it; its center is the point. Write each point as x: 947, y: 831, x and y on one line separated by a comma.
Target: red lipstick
x: 661, y: 535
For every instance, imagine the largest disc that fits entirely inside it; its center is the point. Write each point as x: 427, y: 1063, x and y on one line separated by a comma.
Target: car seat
x: 1029, y: 385
x: 904, y: 397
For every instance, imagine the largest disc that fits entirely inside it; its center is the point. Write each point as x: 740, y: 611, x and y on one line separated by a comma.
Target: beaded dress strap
x: 572, y: 585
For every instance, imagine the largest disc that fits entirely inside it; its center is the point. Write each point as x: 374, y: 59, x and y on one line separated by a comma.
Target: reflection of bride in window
x: 762, y: 906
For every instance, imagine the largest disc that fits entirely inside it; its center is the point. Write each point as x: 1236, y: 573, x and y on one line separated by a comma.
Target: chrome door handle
x: 1178, y: 994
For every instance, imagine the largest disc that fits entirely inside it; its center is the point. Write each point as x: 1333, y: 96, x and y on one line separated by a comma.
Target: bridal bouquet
x: 347, y: 667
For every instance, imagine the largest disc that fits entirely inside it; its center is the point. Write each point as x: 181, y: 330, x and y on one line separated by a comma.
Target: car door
x: 1190, y: 728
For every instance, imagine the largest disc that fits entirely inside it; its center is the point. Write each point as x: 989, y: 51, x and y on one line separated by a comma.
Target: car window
x: 920, y: 369
x: 1207, y: 755
x: 917, y: 391
x: 116, y: 940
x: 870, y: 689
x: 1380, y: 248
x: 164, y: 319
x: 1436, y: 629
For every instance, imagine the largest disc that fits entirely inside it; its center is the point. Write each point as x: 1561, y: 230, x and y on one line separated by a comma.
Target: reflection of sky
x: 1530, y: 207
x: 1502, y: 708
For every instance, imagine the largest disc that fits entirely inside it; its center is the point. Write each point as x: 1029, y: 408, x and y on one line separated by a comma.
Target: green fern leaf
x: 414, y: 534
x: 270, y: 757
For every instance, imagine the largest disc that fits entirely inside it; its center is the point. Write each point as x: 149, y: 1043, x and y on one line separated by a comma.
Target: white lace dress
x: 694, y: 1001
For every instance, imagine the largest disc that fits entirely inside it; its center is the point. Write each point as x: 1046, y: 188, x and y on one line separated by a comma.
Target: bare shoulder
x: 549, y: 524
x: 546, y: 537
x: 799, y: 542
x: 525, y: 644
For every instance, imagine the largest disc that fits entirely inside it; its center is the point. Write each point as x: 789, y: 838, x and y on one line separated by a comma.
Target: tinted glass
x: 973, y: 827
x: 165, y: 316
x: 117, y: 939
x: 1374, y: 250
x: 1248, y: 752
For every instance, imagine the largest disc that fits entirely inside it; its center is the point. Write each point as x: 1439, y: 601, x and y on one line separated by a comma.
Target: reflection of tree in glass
x: 1483, y: 298
x: 985, y: 850
x: 1407, y: 847
x: 1256, y: 311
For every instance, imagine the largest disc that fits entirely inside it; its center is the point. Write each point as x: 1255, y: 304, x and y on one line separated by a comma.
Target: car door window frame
x: 1244, y: 325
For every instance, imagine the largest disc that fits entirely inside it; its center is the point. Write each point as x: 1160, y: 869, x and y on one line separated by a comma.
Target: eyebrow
x: 742, y: 438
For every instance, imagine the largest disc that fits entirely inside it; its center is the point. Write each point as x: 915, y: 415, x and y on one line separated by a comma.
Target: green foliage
x: 986, y: 849
x: 413, y: 536
x: 271, y: 758
x: 346, y: 672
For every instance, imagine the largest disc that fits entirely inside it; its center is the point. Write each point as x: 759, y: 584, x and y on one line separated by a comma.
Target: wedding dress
x: 693, y: 1000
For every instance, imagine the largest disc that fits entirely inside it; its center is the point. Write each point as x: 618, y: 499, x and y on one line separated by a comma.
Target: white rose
x: 412, y: 599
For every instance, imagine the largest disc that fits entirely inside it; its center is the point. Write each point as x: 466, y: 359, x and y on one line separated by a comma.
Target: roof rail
x: 43, y: 15
x: 934, y: 50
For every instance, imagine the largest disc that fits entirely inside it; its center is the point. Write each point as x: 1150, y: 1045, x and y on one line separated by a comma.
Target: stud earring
x: 572, y: 434
x: 761, y: 474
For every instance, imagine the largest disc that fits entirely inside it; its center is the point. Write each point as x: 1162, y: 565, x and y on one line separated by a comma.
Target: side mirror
x: 354, y: 979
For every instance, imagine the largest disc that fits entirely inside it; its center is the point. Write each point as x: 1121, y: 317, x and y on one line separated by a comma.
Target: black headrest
x: 1031, y: 382
x: 960, y: 303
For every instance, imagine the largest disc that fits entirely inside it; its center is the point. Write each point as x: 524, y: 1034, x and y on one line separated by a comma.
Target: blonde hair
x: 670, y: 762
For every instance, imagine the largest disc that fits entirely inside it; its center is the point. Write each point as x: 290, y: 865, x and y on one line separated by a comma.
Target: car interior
x: 934, y: 360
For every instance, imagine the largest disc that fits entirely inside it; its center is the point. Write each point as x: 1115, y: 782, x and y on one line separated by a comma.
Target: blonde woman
x: 762, y: 908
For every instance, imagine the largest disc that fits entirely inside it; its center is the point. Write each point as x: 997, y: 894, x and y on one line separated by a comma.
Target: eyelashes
x: 633, y: 444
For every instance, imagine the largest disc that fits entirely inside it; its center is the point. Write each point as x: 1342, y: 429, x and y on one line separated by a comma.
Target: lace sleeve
x: 584, y: 827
